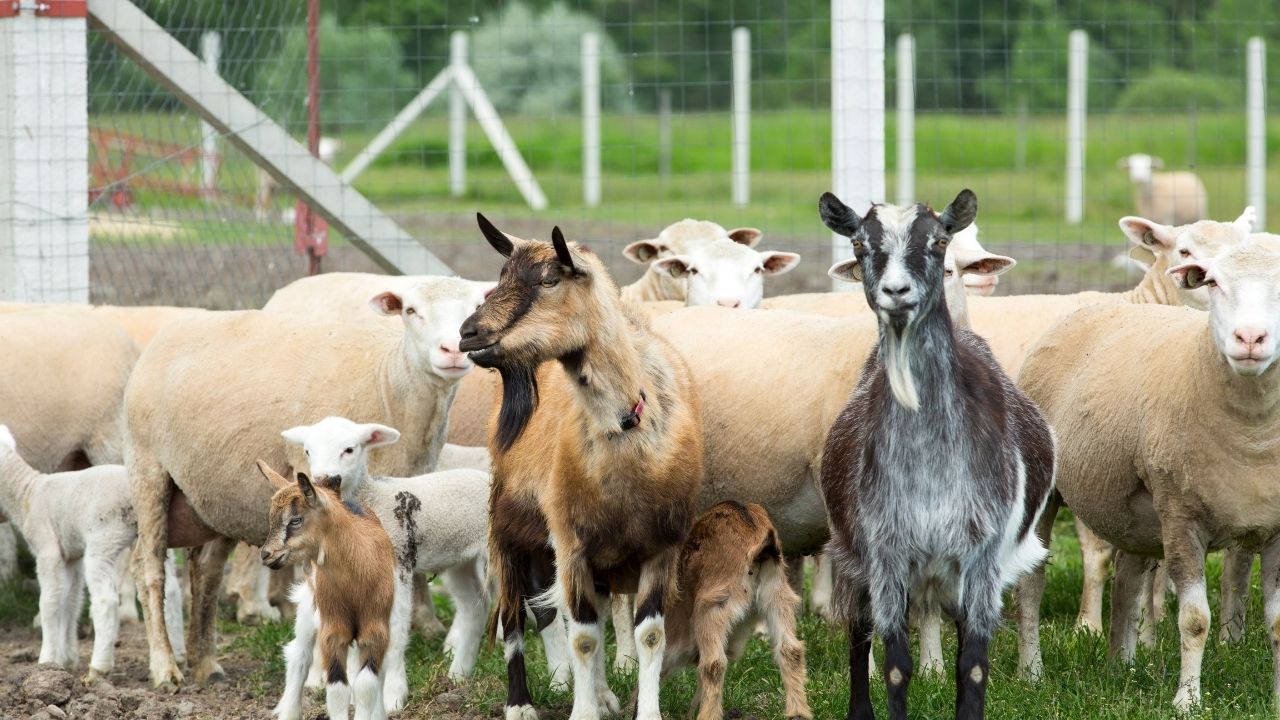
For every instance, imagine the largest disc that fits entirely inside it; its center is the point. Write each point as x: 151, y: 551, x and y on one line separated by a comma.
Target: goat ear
x: 836, y: 215
x: 386, y: 303
x: 748, y: 236
x: 777, y: 263
x: 1148, y: 233
x: 960, y: 213
x: 378, y: 435
x: 276, y: 479
x: 847, y: 270
x: 1189, y: 276
x: 1247, y: 220
x: 496, y: 237
x: 562, y: 249
x: 644, y: 252
x: 676, y: 266
x: 985, y: 264
x: 308, y: 490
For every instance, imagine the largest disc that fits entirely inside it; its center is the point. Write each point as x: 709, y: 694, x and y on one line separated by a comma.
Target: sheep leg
x: 102, y: 575
x: 555, y: 645
x: 206, y: 568
x: 778, y: 604
x: 623, y: 607
x: 470, y: 608
x: 152, y: 492
x: 657, y: 575
x: 371, y: 645
x: 8, y: 552
x: 424, y: 609
x: 1184, y: 553
x: 930, y: 622
x: 52, y: 576
x: 173, y: 608
x: 395, y: 684
x: 73, y: 602
x: 820, y: 594
x: 127, y: 594
x: 1129, y: 603
x: 1097, y: 554
x: 1160, y: 586
x: 298, y: 654
x: 1030, y: 593
x: 335, y: 639
x: 1271, y: 608
x: 1237, y: 565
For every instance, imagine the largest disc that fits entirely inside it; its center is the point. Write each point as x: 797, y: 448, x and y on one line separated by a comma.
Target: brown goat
x: 351, y: 564
x: 597, y: 461
x: 731, y: 575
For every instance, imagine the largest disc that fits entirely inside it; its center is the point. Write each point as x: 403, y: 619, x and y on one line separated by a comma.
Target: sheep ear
x: 777, y: 263
x: 1142, y: 256
x: 562, y: 249
x: 644, y: 252
x: 847, y: 270
x: 378, y: 435
x: 960, y: 213
x: 1189, y: 276
x: 748, y: 236
x: 677, y: 266
x: 486, y: 287
x: 1247, y: 220
x: 308, y: 490
x: 985, y: 264
x: 296, y: 435
x: 1147, y: 233
x: 6, y: 438
x: 496, y: 237
x: 277, y: 480
x: 836, y: 215
x: 386, y: 303
x: 1157, y: 162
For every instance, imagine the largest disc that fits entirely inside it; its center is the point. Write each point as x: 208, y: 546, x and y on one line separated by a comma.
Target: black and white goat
x: 937, y: 469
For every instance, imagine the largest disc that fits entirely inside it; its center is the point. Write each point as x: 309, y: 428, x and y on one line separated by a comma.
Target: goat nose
x: 265, y: 554
x: 1251, y: 336
x: 895, y: 290
x: 729, y: 302
x: 469, y: 329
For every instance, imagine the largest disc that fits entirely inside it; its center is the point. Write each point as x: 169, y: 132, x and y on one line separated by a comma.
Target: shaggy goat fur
x: 597, y: 455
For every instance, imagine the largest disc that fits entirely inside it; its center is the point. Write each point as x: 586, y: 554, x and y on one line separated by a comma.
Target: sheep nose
x: 450, y: 347
x: 1251, y: 336
x: 895, y: 290
x: 729, y: 302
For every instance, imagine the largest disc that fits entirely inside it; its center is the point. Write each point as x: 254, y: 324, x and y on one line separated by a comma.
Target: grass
x: 1017, y: 170
x: 1078, y: 681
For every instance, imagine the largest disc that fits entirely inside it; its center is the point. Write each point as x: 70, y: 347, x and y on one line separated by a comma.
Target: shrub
x: 1178, y: 90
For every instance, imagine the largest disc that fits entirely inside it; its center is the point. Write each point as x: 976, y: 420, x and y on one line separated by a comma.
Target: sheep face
x: 1244, y: 301
x: 899, y: 253
x: 1140, y: 166
x: 548, y: 297
x: 337, y: 450
x: 726, y: 273
x: 297, y: 520
x: 683, y: 236
x: 433, y: 313
x: 1180, y: 244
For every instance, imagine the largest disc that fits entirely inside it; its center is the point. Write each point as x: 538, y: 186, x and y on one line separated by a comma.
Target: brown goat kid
x: 731, y: 575
x: 351, y: 564
x: 597, y: 462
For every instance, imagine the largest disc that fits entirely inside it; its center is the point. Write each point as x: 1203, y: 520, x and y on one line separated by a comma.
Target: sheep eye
x: 1185, y: 253
x: 693, y: 271
x: 348, y: 451
x: 1211, y: 283
x: 757, y: 271
x: 307, y: 453
x: 410, y: 311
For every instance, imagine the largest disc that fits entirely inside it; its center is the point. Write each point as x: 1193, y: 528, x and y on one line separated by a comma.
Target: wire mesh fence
x: 179, y: 216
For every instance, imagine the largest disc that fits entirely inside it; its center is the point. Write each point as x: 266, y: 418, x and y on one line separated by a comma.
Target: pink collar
x: 632, y: 419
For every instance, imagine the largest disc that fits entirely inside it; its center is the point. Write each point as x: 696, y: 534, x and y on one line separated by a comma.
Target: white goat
x: 80, y: 526
x: 1172, y: 198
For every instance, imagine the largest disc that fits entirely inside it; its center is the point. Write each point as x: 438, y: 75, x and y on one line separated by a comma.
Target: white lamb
x: 1171, y: 198
x: 438, y: 523
x: 80, y: 526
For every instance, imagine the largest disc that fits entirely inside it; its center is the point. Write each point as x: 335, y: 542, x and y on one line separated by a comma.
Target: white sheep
x: 438, y: 523
x: 1129, y: 468
x: 80, y: 527
x: 1172, y: 198
x: 676, y: 239
x: 207, y: 399
x: 726, y: 273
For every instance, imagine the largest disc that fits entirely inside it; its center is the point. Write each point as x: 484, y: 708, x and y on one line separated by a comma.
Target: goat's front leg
x: 976, y: 622
x: 657, y: 579
x: 586, y: 639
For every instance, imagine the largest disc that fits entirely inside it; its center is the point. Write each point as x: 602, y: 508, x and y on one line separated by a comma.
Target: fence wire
x: 176, y: 219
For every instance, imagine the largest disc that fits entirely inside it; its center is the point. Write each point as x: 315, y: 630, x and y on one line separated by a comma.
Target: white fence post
x: 211, y: 53
x: 457, y: 119
x: 590, y: 119
x: 1077, y: 104
x: 44, y: 158
x: 906, y: 119
x: 664, y: 133
x: 857, y: 110
x: 1256, y: 127
x: 741, y: 116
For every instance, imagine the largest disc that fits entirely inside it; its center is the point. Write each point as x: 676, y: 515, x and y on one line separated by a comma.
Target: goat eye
x: 295, y: 522
x: 948, y: 273
x: 943, y: 243
x: 550, y: 282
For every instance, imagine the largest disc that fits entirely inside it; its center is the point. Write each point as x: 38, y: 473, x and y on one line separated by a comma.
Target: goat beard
x: 897, y: 366
x: 519, y: 400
